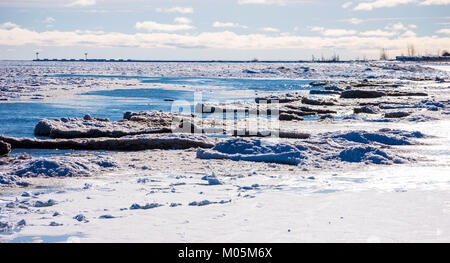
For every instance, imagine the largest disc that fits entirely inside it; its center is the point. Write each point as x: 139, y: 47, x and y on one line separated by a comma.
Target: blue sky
x: 221, y: 29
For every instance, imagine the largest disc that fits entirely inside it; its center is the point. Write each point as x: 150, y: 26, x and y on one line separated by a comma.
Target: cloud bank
x: 14, y: 35
x: 367, y: 6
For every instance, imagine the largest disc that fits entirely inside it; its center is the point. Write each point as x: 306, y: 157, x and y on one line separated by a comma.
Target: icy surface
x: 126, y: 143
x: 14, y: 171
x: 255, y: 150
x: 387, y: 137
x: 89, y: 127
x: 307, y: 155
x: 358, y: 176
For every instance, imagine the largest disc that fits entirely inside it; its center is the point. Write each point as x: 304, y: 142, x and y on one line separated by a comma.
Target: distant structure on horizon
x: 181, y: 61
x: 334, y: 59
x: 424, y: 58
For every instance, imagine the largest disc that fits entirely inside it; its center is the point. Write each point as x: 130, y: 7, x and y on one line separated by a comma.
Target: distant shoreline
x: 185, y: 61
x: 220, y: 61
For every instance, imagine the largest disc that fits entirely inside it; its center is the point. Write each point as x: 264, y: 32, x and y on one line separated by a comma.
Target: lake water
x: 19, y: 119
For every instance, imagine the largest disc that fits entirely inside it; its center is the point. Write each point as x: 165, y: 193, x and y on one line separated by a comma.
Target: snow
x: 145, y: 207
x: 212, y: 179
x: 17, y: 170
x: 387, y: 137
x: 44, y: 204
x: 88, y: 127
x: 24, y: 83
x: 354, y: 178
x: 307, y: 156
x: 367, y: 155
x: 81, y: 218
x: 126, y: 143
x: 255, y: 150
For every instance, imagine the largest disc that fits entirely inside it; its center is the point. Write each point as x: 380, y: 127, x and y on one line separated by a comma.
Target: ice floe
x: 97, y: 127
x: 127, y: 143
x: 387, y: 137
x: 367, y: 154
x: 354, y: 146
x: 255, y: 150
x: 15, y: 171
x: 5, y: 148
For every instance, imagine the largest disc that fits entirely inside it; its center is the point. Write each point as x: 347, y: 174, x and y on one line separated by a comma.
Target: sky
x: 221, y: 29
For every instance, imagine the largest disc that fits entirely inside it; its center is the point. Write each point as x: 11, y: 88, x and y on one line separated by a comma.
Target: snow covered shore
x: 364, y: 157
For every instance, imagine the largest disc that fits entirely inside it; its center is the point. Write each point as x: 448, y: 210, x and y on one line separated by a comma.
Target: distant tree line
x: 411, y: 52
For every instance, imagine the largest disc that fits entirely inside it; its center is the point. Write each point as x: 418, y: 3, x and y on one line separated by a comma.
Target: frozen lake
x: 357, y: 172
x: 19, y: 119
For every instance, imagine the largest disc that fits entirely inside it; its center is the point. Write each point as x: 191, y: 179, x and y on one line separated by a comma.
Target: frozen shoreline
x: 174, y: 196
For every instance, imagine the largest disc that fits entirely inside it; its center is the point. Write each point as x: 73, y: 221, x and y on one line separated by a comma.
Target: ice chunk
x: 366, y: 109
x: 90, y: 127
x: 127, y: 143
x: 5, y: 148
x: 212, y: 179
x: 361, y: 94
x: 144, y: 207
x: 256, y: 150
x: 201, y: 203
x: 384, y: 137
x: 366, y: 154
x: 81, y: 218
x: 17, y: 169
x: 4, y: 227
x: 106, y: 217
x: 50, y: 202
x: 397, y: 114
x: 49, y: 168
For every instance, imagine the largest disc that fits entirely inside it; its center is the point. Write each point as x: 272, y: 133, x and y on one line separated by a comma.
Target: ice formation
x: 127, y: 143
x: 359, y: 146
x: 15, y: 171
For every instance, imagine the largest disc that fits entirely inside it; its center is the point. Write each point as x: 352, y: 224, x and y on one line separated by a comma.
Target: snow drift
x: 322, y: 151
x: 127, y: 143
x: 256, y: 150
x: 15, y: 170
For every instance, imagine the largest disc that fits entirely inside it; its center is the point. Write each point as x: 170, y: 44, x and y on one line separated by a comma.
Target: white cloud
x: 445, y: 31
x: 436, y: 2
x: 270, y: 29
x: 82, y: 3
x: 409, y: 34
x: 367, y: 6
x: 262, y: 2
x: 89, y: 32
x: 396, y: 27
x: 381, y: 3
x: 347, y: 4
x: 377, y: 33
x: 154, y: 26
x: 355, y: 21
x: 333, y: 32
x: 117, y: 5
x: 49, y: 20
x: 317, y: 28
x: 176, y: 9
x: 228, y: 24
x: 8, y: 26
x: 338, y: 32
x: 182, y: 20
x: 272, y: 2
x: 16, y: 36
